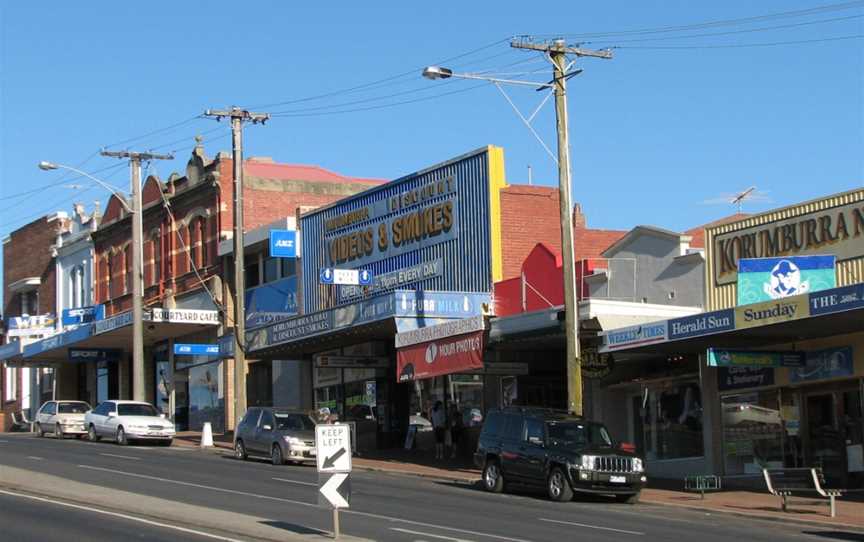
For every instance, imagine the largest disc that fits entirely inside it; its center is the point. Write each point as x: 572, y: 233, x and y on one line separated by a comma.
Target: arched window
x: 77, y: 292
x: 156, y: 275
x: 127, y: 269
x: 197, y: 234
x: 109, y: 276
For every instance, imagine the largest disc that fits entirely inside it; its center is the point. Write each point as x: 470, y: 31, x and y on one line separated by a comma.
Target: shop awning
x: 826, y: 313
x: 376, y: 318
x: 115, y: 333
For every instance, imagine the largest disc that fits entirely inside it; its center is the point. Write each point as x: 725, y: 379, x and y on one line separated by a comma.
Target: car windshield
x: 136, y: 410
x: 579, y: 434
x: 72, y: 408
x: 293, y: 422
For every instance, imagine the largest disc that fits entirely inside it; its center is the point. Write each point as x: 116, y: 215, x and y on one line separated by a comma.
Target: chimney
x: 579, y: 218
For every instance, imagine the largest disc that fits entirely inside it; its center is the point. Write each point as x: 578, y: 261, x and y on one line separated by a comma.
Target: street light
x: 49, y: 166
x: 438, y: 72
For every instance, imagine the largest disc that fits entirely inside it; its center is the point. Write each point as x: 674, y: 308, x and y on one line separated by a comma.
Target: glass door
x: 852, y: 427
x: 824, y: 445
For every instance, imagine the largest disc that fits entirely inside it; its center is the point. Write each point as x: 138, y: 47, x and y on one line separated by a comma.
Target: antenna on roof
x: 741, y: 196
x: 529, y: 174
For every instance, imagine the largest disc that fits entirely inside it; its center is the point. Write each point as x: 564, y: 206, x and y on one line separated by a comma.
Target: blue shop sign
x: 59, y: 340
x: 643, y: 334
x: 827, y: 363
x: 841, y: 299
x: 83, y: 315
x: 283, y: 244
x: 271, y: 302
x: 736, y: 378
x: 80, y: 355
x: 702, y: 324
x: 226, y: 345
x: 181, y: 349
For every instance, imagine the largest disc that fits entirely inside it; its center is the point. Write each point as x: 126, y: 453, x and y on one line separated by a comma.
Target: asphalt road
x: 25, y: 519
x: 383, y: 507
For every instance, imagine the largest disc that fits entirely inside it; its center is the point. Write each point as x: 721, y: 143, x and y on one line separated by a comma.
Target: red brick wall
x: 529, y: 215
x: 28, y: 254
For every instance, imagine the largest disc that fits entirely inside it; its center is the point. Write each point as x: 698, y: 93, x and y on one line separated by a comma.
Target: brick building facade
x: 29, y: 287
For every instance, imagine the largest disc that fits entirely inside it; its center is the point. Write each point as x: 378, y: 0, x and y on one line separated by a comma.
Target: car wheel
x: 276, y: 455
x: 121, y: 436
x: 91, y: 434
x: 493, y: 480
x: 239, y: 450
x: 558, y: 487
x: 39, y: 430
x: 58, y: 432
x: 628, y: 499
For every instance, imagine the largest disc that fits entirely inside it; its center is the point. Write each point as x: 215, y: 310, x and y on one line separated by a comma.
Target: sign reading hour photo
x: 766, y: 279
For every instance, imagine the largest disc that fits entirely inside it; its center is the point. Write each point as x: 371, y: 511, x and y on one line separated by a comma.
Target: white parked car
x: 62, y: 418
x: 123, y: 421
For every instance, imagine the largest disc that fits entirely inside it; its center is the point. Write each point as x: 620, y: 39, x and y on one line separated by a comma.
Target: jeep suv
x: 557, y: 451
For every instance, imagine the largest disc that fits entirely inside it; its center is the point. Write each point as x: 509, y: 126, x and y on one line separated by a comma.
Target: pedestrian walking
x: 439, y: 425
x: 456, y: 427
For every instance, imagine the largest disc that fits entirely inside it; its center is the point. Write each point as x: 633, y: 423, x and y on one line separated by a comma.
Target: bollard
x: 207, y: 436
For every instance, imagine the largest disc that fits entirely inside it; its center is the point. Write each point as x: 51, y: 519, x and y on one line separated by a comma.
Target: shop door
x: 825, y: 448
x: 852, y: 427
x: 638, y: 428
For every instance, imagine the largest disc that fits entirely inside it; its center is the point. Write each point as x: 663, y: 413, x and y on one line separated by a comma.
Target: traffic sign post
x: 333, y: 451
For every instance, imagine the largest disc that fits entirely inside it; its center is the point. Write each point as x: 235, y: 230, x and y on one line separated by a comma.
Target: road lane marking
x: 4, y: 441
x: 35, y: 458
x: 121, y: 456
x: 592, y: 526
x: 201, y: 486
x: 433, y: 526
x: 306, y: 504
x: 296, y: 482
x: 430, y: 535
x: 123, y: 516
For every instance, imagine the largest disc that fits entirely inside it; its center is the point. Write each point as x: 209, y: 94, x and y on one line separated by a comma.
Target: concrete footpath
x: 813, y: 511
x: 221, y: 523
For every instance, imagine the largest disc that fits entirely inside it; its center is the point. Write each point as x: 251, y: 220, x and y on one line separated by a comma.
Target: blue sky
x: 664, y: 127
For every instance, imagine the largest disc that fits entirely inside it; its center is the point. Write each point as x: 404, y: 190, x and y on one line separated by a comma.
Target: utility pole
x: 238, y: 116
x: 557, y: 52
x: 135, y: 159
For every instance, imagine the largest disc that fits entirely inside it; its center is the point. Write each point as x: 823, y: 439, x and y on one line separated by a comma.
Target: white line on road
x: 592, y: 526
x: 433, y: 526
x: 429, y: 535
x: 123, y: 516
x: 121, y: 456
x: 201, y: 486
x: 295, y: 482
x: 35, y: 457
x: 4, y: 441
x: 307, y: 504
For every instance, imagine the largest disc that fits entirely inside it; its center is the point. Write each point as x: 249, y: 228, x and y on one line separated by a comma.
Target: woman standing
x: 439, y: 425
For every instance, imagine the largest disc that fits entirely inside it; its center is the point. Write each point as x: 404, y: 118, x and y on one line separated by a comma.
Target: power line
x: 379, y: 81
x: 154, y: 132
x: 383, y: 106
x: 749, y: 30
x: 67, y: 176
x: 718, y: 23
x: 742, y: 45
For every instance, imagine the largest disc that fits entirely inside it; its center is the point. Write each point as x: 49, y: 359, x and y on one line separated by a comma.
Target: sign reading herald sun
x: 767, y: 279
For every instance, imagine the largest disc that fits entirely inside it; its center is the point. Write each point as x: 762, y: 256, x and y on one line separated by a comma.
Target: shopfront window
x: 162, y: 386
x: 672, y: 421
x: 206, y: 396
x: 753, y: 432
x: 466, y: 393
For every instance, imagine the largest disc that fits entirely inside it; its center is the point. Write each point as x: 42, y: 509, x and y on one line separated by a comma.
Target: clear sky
x: 678, y: 119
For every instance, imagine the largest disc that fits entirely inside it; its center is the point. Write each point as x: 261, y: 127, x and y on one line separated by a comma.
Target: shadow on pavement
x: 294, y: 528
x: 837, y: 535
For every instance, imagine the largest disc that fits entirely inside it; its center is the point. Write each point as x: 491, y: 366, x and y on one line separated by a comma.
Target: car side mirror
x: 536, y: 441
x: 267, y: 427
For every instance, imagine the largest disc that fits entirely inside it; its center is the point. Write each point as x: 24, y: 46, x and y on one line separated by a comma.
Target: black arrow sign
x: 330, y: 461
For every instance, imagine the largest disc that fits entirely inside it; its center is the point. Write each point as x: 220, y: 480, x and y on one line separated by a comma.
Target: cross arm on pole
x: 237, y: 113
x: 560, y: 48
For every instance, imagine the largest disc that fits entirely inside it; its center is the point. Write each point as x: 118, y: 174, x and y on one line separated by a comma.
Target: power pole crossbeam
x: 238, y: 116
x: 135, y: 159
x: 558, y: 51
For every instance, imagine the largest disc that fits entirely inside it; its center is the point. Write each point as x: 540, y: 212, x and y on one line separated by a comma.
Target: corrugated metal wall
x: 467, y: 259
x: 725, y: 296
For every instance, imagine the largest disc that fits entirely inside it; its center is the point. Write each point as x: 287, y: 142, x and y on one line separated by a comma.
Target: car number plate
x: 618, y: 479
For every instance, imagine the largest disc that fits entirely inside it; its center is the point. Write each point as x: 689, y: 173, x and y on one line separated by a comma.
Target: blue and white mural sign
x: 83, y: 315
x: 827, y: 363
x: 766, y: 279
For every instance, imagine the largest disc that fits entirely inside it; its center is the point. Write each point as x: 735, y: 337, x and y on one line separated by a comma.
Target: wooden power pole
x: 238, y: 116
x: 557, y: 52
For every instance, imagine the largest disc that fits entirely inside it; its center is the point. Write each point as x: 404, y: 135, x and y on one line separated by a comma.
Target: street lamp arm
x: 47, y: 166
x: 437, y: 72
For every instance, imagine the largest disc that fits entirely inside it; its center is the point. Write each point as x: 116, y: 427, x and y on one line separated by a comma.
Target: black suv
x: 558, y: 451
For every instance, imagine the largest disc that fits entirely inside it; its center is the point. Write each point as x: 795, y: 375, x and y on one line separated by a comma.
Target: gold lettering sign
x: 838, y: 231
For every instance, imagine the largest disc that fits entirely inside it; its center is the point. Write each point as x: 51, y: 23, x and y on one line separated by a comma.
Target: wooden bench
x: 787, y: 482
